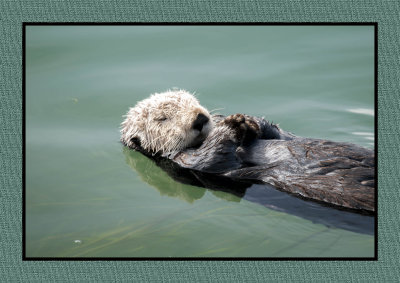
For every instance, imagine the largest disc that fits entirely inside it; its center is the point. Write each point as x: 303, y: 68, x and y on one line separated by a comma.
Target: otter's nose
x: 200, y: 121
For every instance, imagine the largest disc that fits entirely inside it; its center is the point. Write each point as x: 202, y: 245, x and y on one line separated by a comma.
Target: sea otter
x: 173, y: 125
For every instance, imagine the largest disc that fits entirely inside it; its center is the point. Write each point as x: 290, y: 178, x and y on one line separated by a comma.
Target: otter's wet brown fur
x: 249, y: 148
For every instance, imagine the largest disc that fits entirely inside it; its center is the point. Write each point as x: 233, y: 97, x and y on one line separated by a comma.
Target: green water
x: 87, y: 196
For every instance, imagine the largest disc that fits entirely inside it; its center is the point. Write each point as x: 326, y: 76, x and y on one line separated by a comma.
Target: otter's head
x: 166, y: 122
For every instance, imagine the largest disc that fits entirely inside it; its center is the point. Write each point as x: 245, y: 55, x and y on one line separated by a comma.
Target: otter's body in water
x: 249, y: 148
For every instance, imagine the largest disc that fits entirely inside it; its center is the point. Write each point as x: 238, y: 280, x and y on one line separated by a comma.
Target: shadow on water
x: 172, y: 181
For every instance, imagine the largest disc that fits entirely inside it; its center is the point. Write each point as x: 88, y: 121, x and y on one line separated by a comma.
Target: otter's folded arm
x: 218, y: 152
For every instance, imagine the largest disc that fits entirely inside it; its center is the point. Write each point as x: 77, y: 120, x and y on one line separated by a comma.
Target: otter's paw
x: 245, y: 129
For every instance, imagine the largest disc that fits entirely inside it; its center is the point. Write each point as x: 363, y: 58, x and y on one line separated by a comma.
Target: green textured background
x: 14, y: 12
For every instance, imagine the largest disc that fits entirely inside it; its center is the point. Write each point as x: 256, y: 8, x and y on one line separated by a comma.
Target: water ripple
x: 364, y: 111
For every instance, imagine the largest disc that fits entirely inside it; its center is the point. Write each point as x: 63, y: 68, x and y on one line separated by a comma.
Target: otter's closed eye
x: 160, y: 118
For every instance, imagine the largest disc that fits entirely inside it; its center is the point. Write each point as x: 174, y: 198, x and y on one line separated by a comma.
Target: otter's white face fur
x: 166, y: 122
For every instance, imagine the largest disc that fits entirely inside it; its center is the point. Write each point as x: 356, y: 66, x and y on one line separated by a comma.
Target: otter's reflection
x: 169, y: 179
x: 158, y: 172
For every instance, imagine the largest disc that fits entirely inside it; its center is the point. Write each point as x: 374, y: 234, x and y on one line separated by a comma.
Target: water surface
x: 87, y: 196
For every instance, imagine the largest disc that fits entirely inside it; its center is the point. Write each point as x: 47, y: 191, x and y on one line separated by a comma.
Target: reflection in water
x: 170, y: 179
x: 151, y: 174
x: 158, y: 172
